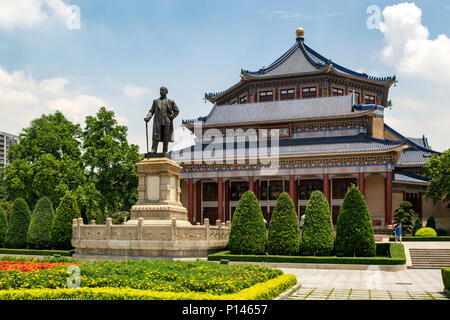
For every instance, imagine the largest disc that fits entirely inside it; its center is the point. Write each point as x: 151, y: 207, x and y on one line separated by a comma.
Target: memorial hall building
x: 329, y: 121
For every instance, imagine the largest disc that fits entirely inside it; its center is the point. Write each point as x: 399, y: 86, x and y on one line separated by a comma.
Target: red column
x: 227, y: 200
x: 191, y: 201
x: 326, y: 188
x: 198, y: 203
x: 361, y: 182
x: 420, y: 205
x: 292, y: 187
x: 388, y: 198
x: 251, y: 184
x: 257, y: 189
x: 220, y: 199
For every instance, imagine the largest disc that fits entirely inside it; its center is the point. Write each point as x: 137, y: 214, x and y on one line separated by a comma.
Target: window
x: 309, y: 92
x: 338, y: 92
x: 275, y: 188
x: 414, y: 199
x: 306, y: 187
x: 237, y: 189
x: 287, y: 94
x: 243, y: 100
x: 369, y: 99
x: 340, y: 187
x: 209, y: 191
x: 356, y: 97
x: 265, y: 96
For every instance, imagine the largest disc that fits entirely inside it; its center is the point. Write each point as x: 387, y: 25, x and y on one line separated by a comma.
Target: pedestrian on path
x: 398, y: 232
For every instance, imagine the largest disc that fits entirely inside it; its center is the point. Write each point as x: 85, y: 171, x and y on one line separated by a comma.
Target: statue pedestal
x: 159, y: 193
x: 158, y: 226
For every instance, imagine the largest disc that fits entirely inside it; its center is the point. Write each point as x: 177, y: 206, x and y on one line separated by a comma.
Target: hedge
x: 3, y: 225
x: 44, y: 204
x: 262, y: 291
x: 19, y: 220
x: 61, y: 229
x: 413, y: 238
x: 318, y: 232
x: 248, y: 230
x: 354, y: 231
x: 431, y: 222
x: 446, y: 277
x: 33, y: 252
x: 38, y: 236
x: 396, y: 252
x: 284, y: 231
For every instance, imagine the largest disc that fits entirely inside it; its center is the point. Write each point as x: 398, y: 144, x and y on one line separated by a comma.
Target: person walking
x: 398, y: 232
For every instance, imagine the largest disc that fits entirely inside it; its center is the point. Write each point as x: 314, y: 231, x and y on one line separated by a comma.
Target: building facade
x: 329, y: 125
x: 6, y: 141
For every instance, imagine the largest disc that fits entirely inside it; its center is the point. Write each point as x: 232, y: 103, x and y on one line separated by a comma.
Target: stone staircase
x: 429, y: 258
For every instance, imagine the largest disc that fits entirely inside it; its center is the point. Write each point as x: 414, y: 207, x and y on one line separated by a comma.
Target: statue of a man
x: 163, y: 111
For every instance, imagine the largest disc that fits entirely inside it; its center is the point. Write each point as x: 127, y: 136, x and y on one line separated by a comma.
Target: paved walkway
x: 306, y: 293
x: 413, y: 280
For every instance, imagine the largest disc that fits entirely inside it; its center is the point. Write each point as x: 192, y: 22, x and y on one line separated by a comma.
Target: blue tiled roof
x: 403, y: 178
x: 283, y: 110
x: 300, y: 58
x: 413, y: 158
x: 330, y: 145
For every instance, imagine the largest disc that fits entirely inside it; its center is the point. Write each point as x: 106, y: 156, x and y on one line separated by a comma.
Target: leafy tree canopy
x: 438, y: 169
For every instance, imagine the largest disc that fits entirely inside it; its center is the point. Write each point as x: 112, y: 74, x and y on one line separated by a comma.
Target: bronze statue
x: 163, y: 111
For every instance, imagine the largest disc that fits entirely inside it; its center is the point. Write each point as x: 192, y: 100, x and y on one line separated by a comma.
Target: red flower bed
x: 26, y: 266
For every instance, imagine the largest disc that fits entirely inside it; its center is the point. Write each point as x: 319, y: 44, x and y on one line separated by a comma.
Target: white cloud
x: 133, y: 91
x: 409, y: 48
x: 23, y: 99
x: 29, y: 13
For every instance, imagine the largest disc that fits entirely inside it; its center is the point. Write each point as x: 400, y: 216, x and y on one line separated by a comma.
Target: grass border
x: 415, y: 238
x: 37, y: 252
x: 396, y: 251
x: 261, y: 291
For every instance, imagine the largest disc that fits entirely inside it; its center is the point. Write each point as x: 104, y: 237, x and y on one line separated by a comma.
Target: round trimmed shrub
x: 431, y: 223
x: 19, y: 220
x: 61, y: 229
x: 38, y: 236
x: 426, y: 232
x: 248, y: 230
x: 284, y: 232
x: 318, y: 232
x: 417, y: 226
x: 3, y: 226
x: 44, y: 205
x: 354, y: 233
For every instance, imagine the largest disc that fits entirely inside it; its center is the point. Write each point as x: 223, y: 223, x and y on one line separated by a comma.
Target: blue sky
x: 125, y: 50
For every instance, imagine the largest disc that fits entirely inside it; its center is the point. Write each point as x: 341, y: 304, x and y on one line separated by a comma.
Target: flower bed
x: 155, y: 276
x: 26, y: 266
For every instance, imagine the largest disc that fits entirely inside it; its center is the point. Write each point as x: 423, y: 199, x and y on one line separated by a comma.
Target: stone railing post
x: 108, y: 228
x: 174, y: 229
x: 140, y: 228
x: 75, y: 233
x: 79, y: 223
x: 221, y: 231
x: 206, y: 221
x: 92, y: 222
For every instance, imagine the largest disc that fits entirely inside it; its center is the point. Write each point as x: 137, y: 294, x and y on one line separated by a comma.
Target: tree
x: 61, y: 229
x: 248, y: 230
x: 404, y: 214
x: 284, y: 232
x: 431, y: 223
x: 111, y: 161
x: 19, y: 221
x: 50, y: 134
x: 318, y: 232
x: 38, y: 236
x: 417, y: 225
x: 3, y: 226
x: 89, y: 202
x: 354, y: 233
x: 438, y: 170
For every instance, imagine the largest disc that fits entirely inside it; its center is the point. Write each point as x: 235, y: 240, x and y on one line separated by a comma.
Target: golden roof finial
x: 300, y: 33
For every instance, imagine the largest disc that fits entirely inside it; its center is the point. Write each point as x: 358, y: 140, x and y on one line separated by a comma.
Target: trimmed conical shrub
x: 3, y: 226
x: 41, y: 221
x: 19, y: 220
x: 61, y: 230
x: 284, y: 232
x: 248, y: 230
x: 44, y: 204
x: 354, y: 233
x: 431, y: 223
x: 318, y: 232
x: 404, y: 214
x: 417, y: 226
